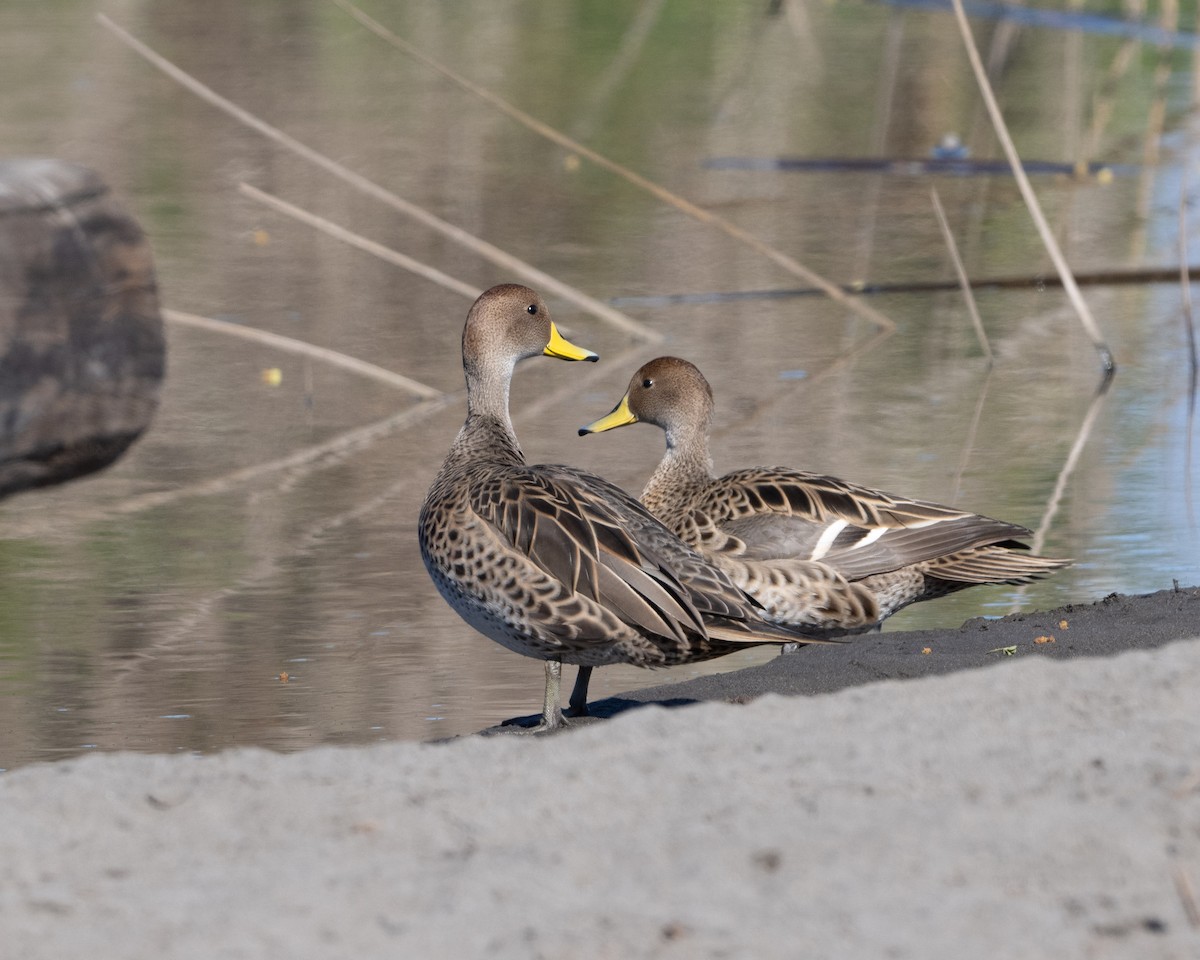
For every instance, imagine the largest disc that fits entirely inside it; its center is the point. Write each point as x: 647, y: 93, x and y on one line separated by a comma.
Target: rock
x: 82, y: 352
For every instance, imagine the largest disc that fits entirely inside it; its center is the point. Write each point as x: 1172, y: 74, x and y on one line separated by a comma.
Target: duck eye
x: 532, y: 308
x: 647, y: 383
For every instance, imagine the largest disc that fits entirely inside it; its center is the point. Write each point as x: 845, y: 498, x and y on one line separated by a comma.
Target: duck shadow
x: 598, y: 710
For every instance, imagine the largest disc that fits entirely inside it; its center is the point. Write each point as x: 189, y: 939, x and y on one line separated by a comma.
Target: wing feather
x: 580, y: 542
x: 775, y: 513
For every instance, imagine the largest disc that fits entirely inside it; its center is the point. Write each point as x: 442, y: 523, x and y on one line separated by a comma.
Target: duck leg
x: 552, y: 715
x: 578, y: 702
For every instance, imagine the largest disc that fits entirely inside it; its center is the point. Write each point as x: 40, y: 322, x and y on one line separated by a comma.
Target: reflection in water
x: 267, y: 526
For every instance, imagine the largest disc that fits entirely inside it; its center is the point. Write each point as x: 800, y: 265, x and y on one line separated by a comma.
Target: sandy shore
x: 1047, y: 805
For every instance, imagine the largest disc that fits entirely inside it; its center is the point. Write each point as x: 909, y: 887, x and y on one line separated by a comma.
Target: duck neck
x: 488, y: 431
x: 684, y: 467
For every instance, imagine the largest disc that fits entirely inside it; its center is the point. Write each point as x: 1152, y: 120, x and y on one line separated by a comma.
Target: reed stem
x: 1107, y: 363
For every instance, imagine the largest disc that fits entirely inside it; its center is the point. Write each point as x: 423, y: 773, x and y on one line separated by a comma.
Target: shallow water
x: 156, y: 605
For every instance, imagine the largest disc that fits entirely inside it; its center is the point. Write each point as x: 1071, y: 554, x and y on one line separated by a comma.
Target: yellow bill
x: 562, y: 348
x: 621, y: 416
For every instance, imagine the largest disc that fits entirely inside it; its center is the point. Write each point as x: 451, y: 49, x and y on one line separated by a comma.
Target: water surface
x: 256, y: 530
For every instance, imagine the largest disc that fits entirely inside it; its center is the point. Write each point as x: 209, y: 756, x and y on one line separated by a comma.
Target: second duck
x: 818, y: 552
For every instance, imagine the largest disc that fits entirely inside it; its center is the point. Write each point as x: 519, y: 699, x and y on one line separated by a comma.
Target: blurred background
x: 265, y: 525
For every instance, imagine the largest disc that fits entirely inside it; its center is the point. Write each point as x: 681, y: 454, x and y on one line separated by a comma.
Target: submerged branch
x: 917, y: 166
x: 1073, y: 19
x: 1099, y: 278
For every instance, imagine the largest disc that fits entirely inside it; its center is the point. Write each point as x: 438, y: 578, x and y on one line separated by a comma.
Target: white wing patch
x: 870, y: 538
x: 827, y: 537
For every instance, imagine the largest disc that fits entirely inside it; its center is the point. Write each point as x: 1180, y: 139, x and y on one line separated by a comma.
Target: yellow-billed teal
x: 819, y: 553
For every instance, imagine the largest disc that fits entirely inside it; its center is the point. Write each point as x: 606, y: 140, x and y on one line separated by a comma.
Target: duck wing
x: 707, y: 588
x: 775, y: 513
x: 592, y: 564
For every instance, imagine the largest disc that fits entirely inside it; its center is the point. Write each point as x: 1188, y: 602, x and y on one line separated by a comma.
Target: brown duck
x: 820, y: 554
x: 553, y: 562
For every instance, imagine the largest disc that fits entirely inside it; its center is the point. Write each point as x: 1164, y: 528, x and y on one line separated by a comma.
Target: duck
x: 821, y: 554
x: 551, y: 561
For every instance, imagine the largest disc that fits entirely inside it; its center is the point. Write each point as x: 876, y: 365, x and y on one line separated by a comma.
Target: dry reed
x: 482, y: 248
x: 393, y: 257
x: 781, y: 259
x: 292, y: 345
x: 1035, y: 211
x: 1189, y: 321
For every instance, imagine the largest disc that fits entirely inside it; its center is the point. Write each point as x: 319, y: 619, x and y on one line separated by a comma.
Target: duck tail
x: 993, y: 564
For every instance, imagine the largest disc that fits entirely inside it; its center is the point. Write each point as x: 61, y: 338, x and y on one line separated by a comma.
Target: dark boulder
x: 82, y: 353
